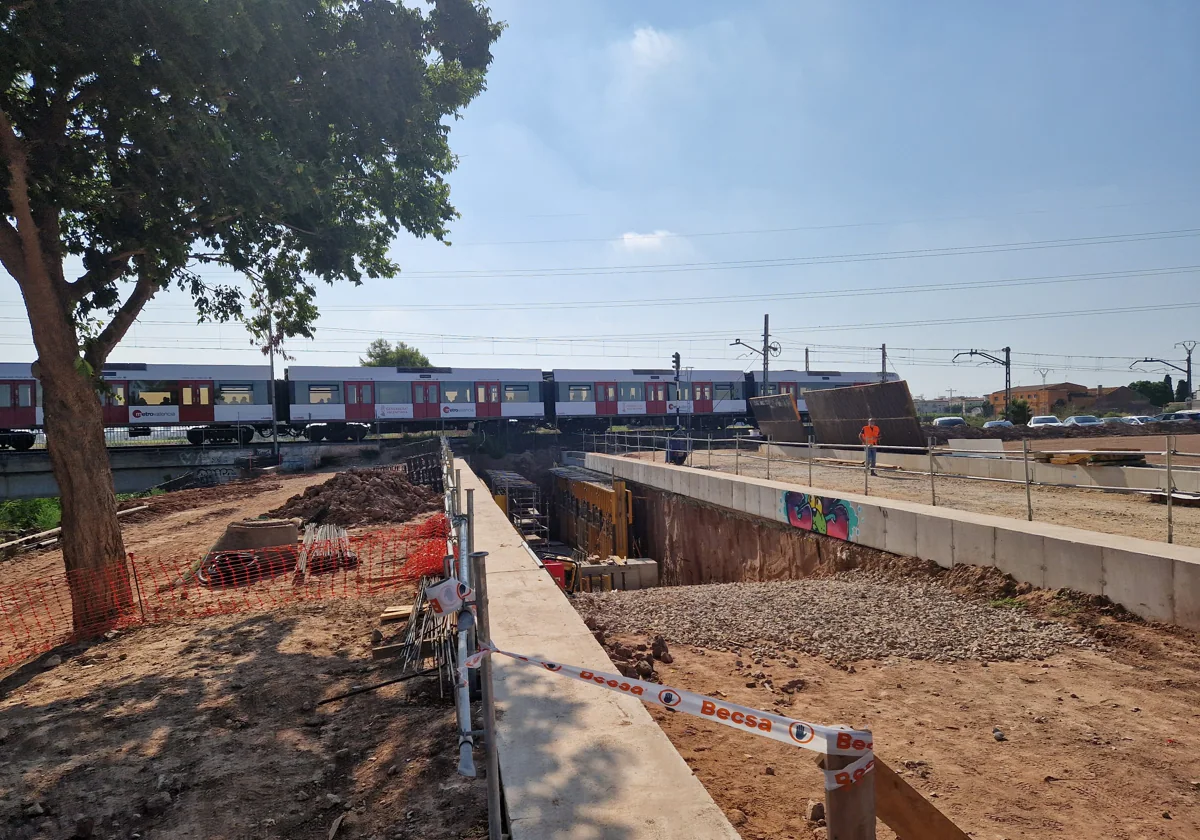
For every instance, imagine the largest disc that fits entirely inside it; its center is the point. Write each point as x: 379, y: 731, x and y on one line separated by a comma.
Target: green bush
x: 30, y: 514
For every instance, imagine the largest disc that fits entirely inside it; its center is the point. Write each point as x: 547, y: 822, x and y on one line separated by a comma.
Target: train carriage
x: 343, y: 402
x: 641, y: 396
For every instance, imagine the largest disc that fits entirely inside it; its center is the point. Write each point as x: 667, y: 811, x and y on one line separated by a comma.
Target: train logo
x: 137, y: 412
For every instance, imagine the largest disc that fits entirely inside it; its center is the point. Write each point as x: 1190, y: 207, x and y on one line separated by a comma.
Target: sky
x: 645, y: 178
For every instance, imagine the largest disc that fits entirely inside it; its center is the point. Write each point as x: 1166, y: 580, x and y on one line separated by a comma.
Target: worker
x: 870, y: 439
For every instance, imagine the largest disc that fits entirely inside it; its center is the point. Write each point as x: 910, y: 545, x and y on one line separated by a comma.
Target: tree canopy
x: 1181, y: 391
x: 381, y: 353
x: 1020, y: 412
x: 289, y: 141
x: 1159, y: 393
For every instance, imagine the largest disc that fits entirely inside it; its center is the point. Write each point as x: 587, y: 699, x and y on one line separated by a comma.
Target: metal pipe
x: 737, y: 454
x: 457, y: 491
x: 768, y: 457
x: 491, y: 749
x: 932, y: 475
x: 710, y: 450
x: 811, y: 454
x: 1028, y: 492
x: 1170, y: 492
x: 866, y: 473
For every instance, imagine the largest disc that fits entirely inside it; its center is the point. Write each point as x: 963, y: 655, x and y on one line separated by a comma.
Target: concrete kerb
x: 578, y: 762
x: 1151, y: 579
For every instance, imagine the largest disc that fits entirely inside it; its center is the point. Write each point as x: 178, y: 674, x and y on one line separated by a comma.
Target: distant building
x: 1072, y: 398
x: 948, y: 405
x: 1123, y: 399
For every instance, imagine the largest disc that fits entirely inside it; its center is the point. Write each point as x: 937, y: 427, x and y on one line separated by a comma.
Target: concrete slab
x: 901, y: 534
x: 579, y: 762
x: 872, y: 526
x: 1021, y: 554
x: 935, y: 540
x: 974, y: 543
x: 1140, y: 583
x: 1187, y: 594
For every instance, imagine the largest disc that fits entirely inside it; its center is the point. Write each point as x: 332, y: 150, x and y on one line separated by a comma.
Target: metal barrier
x: 758, y: 448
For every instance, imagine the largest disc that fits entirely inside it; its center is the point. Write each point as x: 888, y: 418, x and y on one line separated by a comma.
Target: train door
x: 656, y: 397
x: 789, y: 388
x: 702, y: 397
x: 114, y: 404
x: 427, y: 400
x: 17, y: 406
x: 360, y: 401
x: 606, y: 399
x: 487, y: 399
x: 195, y: 402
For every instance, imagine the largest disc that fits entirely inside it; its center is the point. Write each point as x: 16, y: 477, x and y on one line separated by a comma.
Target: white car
x: 1083, y: 420
x: 1044, y: 420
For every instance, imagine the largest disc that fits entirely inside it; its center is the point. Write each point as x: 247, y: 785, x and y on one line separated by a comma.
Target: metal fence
x: 698, y: 451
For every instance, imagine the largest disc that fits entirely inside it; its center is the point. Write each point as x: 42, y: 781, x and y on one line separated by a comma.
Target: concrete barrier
x: 1157, y: 581
x: 577, y: 762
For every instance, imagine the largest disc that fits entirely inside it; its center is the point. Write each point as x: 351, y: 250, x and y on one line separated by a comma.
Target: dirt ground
x: 1095, y: 744
x: 1094, y: 510
x: 209, y: 730
x: 1187, y: 446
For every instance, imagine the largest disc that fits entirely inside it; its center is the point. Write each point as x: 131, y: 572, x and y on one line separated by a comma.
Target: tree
x: 987, y: 409
x: 1170, y: 387
x: 289, y: 140
x: 1181, y: 391
x: 1156, y: 392
x: 381, y: 353
x: 1020, y: 412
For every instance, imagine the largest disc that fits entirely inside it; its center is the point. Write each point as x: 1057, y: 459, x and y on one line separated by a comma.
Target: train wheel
x: 315, y: 434
x: 245, y: 434
x: 195, y: 436
x: 358, y: 432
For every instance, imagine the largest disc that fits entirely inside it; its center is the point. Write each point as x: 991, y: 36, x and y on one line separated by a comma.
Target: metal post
x: 492, y: 753
x: 639, y: 439
x: 1028, y: 492
x: 812, y: 440
x: 470, y: 547
x: 466, y: 762
x: 1170, y: 492
x: 768, y: 457
x: 932, y: 473
x: 710, y: 450
x: 866, y: 473
x: 737, y: 454
x: 457, y: 492
x: 274, y: 410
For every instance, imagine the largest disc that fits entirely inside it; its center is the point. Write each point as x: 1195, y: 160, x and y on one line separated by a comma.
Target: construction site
x: 289, y: 669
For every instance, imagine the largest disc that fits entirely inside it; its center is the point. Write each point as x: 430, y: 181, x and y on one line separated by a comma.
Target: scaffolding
x: 521, y: 500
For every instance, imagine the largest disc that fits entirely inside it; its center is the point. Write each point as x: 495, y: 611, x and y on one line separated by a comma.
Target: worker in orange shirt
x: 870, y: 439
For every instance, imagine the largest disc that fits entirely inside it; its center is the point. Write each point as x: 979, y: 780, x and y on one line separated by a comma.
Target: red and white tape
x: 829, y: 740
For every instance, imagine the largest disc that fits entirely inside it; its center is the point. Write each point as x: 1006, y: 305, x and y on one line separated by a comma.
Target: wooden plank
x: 387, y: 651
x: 905, y: 811
x: 395, y: 614
x: 850, y: 810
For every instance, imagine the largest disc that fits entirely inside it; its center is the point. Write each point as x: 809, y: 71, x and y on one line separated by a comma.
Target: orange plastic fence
x: 38, y: 614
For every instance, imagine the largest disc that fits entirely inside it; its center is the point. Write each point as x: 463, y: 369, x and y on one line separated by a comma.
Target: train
x: 232, y: 403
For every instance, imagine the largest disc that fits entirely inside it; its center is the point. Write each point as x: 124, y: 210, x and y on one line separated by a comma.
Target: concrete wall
x: 1134, y: 478
x: 1155, y: 580
x: 578, y: 762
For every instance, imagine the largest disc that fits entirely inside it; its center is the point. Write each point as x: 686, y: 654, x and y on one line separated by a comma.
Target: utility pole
x: 675, y: 363
x: 769, y: 348
x: 883, y: 364
x: 1007, y: 362
x: 806, y: 368
x: 1188, y: 347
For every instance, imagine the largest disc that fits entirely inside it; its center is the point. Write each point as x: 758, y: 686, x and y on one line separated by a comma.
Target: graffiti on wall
x: 822, y: 515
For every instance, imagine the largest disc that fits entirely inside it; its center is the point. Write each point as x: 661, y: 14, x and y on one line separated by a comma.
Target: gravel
x: 846, y: 618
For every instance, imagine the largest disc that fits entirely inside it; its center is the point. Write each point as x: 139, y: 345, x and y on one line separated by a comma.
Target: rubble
x: 361, y: 496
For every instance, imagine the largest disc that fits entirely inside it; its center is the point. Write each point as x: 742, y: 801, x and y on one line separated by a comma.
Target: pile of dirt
x: 178, y: 500
x: 945, y: 433
x: 361, y: 496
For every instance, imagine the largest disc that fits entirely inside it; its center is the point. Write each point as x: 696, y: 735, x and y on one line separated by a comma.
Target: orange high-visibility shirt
x: 870, y: 435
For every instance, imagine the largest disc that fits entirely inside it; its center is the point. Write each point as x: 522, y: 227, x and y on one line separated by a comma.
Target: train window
x: 631, y: 391
x: 456, y: 392
x: 610, y: 392
x: 724, y: 391
x: 235, y: 394
x: 481, y: 393
x: 579, y: 393
x: 5, y: 396
x: 115, y: 396
x: 320, y: 394
x: 203, y: 397
x: 154, y: 393
x: 391, y: 393
x: 185, y: 395
x: 516, y: 393
x: 24, y: 396
x: 685, y: 391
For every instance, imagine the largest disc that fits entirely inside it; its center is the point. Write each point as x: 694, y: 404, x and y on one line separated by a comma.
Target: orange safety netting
x: 39, y: 614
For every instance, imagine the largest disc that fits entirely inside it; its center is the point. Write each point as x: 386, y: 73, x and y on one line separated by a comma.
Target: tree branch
x: 96, y: 278
x: 18, y: 195
x: 12, y: 257
x: 98, y: 348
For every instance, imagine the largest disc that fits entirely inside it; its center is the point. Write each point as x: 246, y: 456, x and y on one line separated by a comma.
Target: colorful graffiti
x: 822, y: 515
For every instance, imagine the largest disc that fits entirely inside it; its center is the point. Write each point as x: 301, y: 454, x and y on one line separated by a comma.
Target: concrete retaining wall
x: 578, y: 762
x: 1134, y: 478
x: 1155, y: 580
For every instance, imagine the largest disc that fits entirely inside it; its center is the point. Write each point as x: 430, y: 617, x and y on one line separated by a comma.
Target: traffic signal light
x: 675, y: 362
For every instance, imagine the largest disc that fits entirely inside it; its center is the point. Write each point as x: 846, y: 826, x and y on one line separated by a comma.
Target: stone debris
x: 363, y: 496
x: 850, y: 617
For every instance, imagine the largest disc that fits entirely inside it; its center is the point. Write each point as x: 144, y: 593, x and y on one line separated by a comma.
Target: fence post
x: 737, y: 454
x: 932, y: 473
x: 1028, y: 492
x: 812, y: 453
x: 866, y: 473
x: 768, y: 457
x: 1170, y: 492
x: 492, y: 754
x: 850, y: 810
x: 710, y: 450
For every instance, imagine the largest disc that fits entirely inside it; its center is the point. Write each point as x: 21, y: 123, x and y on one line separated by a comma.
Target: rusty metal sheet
x: 778, y: 419
x: 839, y: 414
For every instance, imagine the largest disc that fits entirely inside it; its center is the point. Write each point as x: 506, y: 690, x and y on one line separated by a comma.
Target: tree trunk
x: 93, y: 549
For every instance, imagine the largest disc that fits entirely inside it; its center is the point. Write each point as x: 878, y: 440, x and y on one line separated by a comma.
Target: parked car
x: 1082, y: 420
x: 1044, y: 420
x: 1137, y: 420
x: 1171, y: 417
x: 998, y: 424
x: 1114, y: 421
x: 949, y: 421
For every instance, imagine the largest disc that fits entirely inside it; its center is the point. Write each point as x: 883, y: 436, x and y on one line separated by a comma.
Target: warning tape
x: 830, y: 740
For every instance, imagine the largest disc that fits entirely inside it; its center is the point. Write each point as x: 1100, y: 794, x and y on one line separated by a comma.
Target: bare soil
x: 209, y: 730
x: 361, y: 496
x: 1093, y: 510
x: 1094, y: 744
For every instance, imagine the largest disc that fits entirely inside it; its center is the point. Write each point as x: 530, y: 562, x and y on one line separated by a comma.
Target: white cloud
x: 650, y: 49
x: 645, y: 241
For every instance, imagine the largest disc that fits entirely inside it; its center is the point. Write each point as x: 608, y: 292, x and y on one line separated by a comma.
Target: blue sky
x: 632, y: 152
